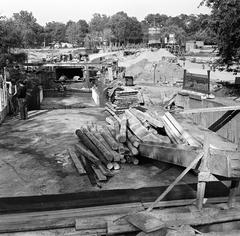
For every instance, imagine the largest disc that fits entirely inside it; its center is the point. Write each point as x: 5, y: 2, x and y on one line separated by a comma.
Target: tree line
x: 221, y: 27
x: 22, y: 29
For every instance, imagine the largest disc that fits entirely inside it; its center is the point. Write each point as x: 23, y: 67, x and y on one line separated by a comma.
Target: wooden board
x: 76, y: 161
x: 145, y: 221
x: 160, y: 232
x: 210, y: 109
x: 90, y: 223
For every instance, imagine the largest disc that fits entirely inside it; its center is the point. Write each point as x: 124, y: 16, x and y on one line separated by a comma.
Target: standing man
x: 22, y: 101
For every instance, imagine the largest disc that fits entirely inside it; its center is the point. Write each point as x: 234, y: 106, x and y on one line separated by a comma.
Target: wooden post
x: 234, y: 187
x: 203, y: 168
x: 208, y: 75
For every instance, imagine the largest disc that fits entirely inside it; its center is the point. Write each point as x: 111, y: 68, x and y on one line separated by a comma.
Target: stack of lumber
x: 124, y: 138
x: 104, y: 148
x: 121, y: 99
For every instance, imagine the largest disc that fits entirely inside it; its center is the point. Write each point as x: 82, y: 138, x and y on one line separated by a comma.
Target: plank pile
x: 105, y: 148
x: 121, y: 99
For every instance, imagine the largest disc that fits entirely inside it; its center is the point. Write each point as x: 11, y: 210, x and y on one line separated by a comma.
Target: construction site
x: 138, y: 144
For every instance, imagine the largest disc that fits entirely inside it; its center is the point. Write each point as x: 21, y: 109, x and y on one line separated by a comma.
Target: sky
x: 63, y: 11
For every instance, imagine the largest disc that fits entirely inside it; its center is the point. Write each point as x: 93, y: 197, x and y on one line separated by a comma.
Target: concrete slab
x: 34, y: 158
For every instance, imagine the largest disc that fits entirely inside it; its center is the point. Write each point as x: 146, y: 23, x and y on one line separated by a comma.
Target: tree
x: 76, y: 32
x: 27, y: 27
x: 225, y: 23
x: 9, y: 39
x: 133, y: 30
x: 99, y: 22
x: 55, y: 32
x: 118, y: 24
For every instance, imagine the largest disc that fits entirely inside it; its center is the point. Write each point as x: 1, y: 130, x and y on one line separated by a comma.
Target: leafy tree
x: 133, y: 30
x: 225, y: 23
x: 55, y: 32
x: 27, y: 25
x: 76, y: 32
x: 99, y: 22
x: 118, y: 24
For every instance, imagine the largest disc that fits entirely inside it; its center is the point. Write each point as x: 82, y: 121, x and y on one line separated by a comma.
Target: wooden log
x: 135, y: 161
x: 123, y: 130
x: 105, y: 171
x: 128, y: 159
x: 98, y: 144
x: 121, y: 148
x: 116, y: 166
x: 112, y: 131
x: 115, y: 155
x: 76, y: 162
x: 132, y: 149
x: 110, y: 165
x: 133, y: 139
x: 110, y: 120
x: 109, y: 139
x: 193, y: 163
x: 88, y: 143
x: 123, y: 160
x: 99, y: 173
x: 88, y: 154
x: 186, y: 135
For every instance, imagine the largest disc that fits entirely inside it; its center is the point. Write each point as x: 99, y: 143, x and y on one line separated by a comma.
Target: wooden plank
x: 92, y: 223
x: 76, y: 161
x: 145, y: 221
x: 99, y: 173
x: 192, y: 164
x: 120, y: 226
x: 186, y: 135
x: 138, y: 129
x: 223, y: 120
x: 160, y: 232
x: 123, y: 130
x: 210, y: 109
x: 105, y: 170
x: 171, y: 128
x: 90, y: 173
x: 197, y: 131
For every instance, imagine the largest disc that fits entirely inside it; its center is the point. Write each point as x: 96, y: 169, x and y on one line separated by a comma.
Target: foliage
x: 76, y: 32
x: 55, y: 32
x: 225, y: 23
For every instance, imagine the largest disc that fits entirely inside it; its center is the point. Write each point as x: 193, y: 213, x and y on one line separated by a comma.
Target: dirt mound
x: 151, y: 56
x: 165, y: 72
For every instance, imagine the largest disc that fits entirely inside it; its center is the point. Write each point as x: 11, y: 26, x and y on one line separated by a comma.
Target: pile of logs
x: 121, y: 99
x: 105, y: 148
